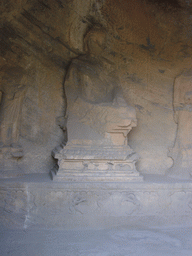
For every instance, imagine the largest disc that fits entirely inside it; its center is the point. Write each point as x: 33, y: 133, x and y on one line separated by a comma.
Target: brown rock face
x: 148, y: 44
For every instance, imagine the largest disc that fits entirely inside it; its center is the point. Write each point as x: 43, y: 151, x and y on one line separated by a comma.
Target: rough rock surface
x: 148, y: 41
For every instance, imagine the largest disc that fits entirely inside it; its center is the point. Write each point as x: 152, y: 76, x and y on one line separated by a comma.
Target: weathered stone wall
x: 148, y: 41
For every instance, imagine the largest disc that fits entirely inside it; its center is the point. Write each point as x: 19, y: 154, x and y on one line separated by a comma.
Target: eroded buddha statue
x: 98, y: 119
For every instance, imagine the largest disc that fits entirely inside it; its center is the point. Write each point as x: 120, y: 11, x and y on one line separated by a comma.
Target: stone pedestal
x: 96, y: 163
x: 97, y: 149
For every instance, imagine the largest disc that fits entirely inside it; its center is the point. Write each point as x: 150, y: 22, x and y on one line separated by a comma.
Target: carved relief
x: 182, y: 149
x: 98, y: 119
x: 13, y: 89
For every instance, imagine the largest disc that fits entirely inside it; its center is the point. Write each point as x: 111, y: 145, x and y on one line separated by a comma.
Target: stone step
x: 99, y: 173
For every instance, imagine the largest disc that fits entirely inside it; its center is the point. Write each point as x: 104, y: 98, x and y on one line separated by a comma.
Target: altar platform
x: 36, y: 201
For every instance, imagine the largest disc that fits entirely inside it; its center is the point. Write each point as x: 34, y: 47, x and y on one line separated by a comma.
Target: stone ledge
x: 26, y: 202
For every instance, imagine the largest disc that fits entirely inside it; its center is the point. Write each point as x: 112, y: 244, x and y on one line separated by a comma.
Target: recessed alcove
x: 95, y: 114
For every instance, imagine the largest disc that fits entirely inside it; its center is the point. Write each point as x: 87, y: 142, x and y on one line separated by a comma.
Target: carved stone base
x: 96, y: 163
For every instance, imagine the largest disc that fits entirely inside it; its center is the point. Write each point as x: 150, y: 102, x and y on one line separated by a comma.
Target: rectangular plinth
x: 95, y: 176
x: 91, y: 170
x: 90, y: 178
x: 96, y: 164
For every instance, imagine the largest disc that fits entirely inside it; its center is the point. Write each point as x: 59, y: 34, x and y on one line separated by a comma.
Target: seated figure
x: 98, y: 118
x: 96, y: 110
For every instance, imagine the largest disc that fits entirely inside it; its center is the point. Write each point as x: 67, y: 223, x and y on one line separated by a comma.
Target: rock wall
x: 149, y: 42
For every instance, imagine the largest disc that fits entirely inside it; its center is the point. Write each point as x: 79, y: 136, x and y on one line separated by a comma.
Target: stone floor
x: 115, y: 242
x: 45, y: 218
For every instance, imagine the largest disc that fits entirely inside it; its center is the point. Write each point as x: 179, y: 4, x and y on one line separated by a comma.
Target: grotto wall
x: 149, y: 44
